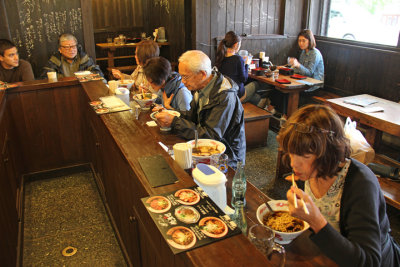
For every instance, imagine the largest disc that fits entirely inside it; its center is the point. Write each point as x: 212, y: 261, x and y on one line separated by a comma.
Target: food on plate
x: 96, y: 103
x: 213, y: 227
x: 187, y: 214
x: 181, y: 237
x: 187, y: 196
x: 282, y: 221
x: 102, y: 110
x: 144, y: 96
x: 205, y: 150
x: 158, y: 204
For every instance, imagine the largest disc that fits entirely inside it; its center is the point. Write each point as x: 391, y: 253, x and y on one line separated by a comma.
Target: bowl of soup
x: 145, y: 100
x: 206, y: 148
x: 126, y: 83
x: 285, y: 226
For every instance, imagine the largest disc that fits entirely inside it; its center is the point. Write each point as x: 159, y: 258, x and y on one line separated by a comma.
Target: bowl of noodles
x: 206, y: 148
x: 285, y: 226
x: 145, y: 100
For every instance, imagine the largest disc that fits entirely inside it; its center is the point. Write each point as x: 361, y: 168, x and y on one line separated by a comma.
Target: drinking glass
x: 220, y: 162
x: 263, y: 239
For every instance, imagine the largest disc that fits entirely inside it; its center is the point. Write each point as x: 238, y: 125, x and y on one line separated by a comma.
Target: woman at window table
x: 236, y: 68
x: 145, y: 50
x: 172, y: 93
x: 310, y: 62
x: 347, y: 211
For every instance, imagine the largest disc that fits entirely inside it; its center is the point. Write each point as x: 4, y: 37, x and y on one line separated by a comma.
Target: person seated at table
x: 172, y: 93
x: 145, y: 50
x: 310, y: 62
x: 12, y: 68
x: 235, y: 67
x: 215, y: 111
x: 69, y: 59
x: 347, y: 210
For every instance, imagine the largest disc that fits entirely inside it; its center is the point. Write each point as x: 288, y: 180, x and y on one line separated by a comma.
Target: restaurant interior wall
x: 270, y: 25
x: 34, y: 26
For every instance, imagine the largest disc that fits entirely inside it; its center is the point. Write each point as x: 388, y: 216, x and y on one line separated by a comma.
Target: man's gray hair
x: 66, y: 37
x: 196, y: 61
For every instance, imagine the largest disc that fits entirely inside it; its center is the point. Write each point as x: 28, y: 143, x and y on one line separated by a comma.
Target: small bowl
x: 126, y: 83
x: 207, y: 142
x: 145, y: 103
x: 279, y: 205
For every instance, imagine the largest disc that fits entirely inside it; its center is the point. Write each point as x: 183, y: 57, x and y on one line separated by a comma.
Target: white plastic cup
x: 113, y: 85
x: 123, y: 94
x: 52, y: 76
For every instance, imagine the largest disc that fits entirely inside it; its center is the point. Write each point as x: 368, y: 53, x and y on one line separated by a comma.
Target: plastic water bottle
x: 239, y: 187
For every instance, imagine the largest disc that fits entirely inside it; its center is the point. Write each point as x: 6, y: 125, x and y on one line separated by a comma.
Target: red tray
x: 282, y: 81
x: 297, y: 76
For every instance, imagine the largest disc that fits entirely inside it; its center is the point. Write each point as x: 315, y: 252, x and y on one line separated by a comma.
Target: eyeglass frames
x: 304, y: 128
x: 68, y: 47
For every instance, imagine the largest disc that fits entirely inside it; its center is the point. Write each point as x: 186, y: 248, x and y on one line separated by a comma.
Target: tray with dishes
x: 188, y: 218
x: 87, y: 76
x: 108, y: 104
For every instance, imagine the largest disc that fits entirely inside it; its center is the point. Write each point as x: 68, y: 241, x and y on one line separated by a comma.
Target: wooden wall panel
x: 351, y: 69
x: 49, y: 127
x: 250, y: 17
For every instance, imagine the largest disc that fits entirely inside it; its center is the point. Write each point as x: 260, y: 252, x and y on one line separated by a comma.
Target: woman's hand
x: 143, y: 88
x: 316, y: 220
x: 167, y: 100
x: 116, y: 73
x: 294, y: 62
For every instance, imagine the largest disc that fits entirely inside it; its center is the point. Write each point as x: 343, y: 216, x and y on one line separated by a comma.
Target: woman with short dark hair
x: 310, y: 62
x: 172, y: 93
x: 145, y: 50
x: 347, y: 210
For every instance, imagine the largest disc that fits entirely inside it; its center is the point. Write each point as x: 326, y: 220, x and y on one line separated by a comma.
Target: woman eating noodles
x: 144, y: 50
x: 347, y: 211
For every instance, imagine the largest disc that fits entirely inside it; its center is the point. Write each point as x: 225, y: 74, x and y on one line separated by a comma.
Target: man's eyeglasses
x: 187, y: 77
x: 68, y: 47
x: 304, y: 128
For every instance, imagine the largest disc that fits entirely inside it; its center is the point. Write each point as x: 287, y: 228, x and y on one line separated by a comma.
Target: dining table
x: 292, y: 89
x: 111, y: 49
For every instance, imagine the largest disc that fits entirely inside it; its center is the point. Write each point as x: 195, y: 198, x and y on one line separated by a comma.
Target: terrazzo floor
x: 66, y: 210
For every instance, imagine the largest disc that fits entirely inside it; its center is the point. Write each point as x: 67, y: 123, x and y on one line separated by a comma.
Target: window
x: 365, y: 20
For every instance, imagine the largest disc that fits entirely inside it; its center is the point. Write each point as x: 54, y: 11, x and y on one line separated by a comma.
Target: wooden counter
x: 53, y: 126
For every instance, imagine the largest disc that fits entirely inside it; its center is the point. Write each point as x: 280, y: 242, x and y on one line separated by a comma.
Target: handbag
x: 361, y: 150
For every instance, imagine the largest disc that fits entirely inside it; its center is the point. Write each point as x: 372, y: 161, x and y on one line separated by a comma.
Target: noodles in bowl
x: 206, y: 148
x: 282, y: 221
x: 285, y: 226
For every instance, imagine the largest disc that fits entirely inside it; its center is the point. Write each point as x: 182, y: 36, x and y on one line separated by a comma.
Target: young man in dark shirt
x: 13, y: 69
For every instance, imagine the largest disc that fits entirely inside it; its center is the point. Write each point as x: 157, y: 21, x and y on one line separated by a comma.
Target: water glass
x: 263, y: 239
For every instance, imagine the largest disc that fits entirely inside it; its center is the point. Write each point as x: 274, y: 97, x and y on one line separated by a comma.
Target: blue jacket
x: 312, y: 64
x: 182, y: 96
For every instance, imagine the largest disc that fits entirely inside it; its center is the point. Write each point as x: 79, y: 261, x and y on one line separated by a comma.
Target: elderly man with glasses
x: 69, y: 59
x: 215, y: 111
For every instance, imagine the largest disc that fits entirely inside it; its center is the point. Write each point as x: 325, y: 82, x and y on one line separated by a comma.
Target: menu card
x: 109, y: 104
x: 188, y: 218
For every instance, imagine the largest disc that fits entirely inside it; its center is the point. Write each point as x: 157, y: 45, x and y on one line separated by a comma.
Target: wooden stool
x: 256, y: 124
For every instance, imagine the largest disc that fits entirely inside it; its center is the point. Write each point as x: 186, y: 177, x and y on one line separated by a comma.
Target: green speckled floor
x: 67, y: 211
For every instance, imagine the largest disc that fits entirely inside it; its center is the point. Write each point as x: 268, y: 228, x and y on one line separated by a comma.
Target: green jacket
x: 85, y: 63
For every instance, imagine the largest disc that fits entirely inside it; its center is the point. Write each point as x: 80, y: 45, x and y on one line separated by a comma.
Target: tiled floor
x: 67, y: 211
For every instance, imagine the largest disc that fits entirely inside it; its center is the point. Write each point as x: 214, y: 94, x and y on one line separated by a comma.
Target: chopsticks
x: 295, y: 198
